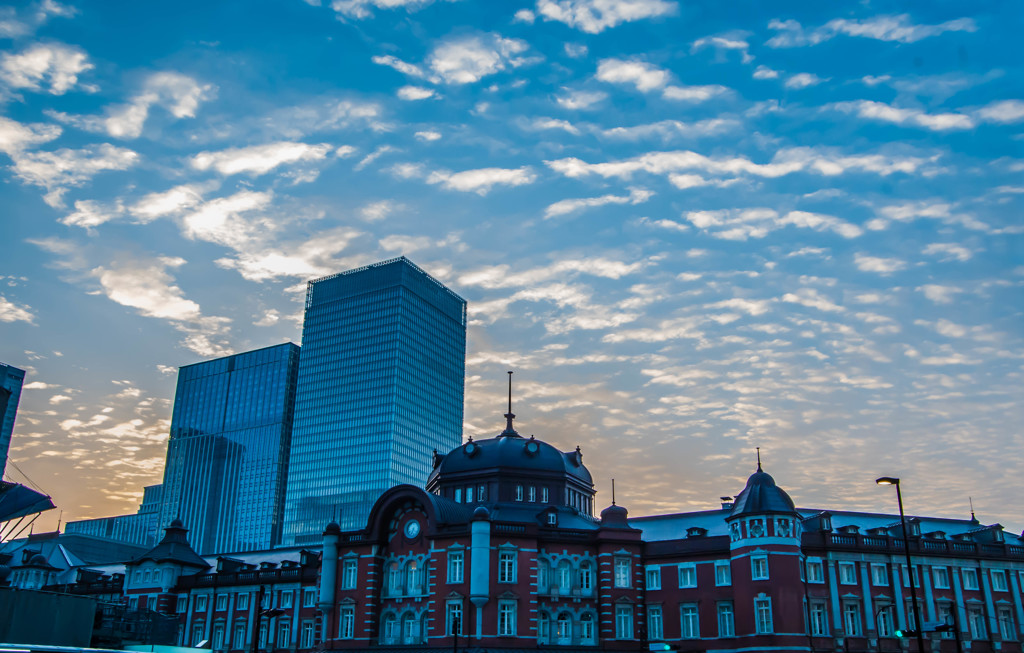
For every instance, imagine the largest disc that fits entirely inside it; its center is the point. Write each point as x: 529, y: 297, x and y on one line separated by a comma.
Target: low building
x: 501, y: 550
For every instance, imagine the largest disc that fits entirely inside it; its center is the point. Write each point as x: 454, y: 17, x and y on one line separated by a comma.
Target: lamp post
x: 888, y: 480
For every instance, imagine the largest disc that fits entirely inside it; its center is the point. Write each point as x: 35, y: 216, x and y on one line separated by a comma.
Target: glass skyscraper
x: 11, y: 380
x: 228, y: 450
x: 381, y: 381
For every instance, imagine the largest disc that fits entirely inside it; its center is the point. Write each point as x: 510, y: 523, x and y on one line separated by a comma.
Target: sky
x: 691, y: 228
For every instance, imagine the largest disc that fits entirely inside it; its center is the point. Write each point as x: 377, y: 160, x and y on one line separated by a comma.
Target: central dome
x: 508, y: 452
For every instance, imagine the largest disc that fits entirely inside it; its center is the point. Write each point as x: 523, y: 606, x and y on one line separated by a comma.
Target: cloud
x: 146, y: 286
x: 376, y: 211
x: 1003, y: 112
x: 640, y: 74
x: 501, y: 276
x: 901, y: 116
x: 16, y: 137
x: 428, y: 135
x: 741, y: 224
x: 812, y: 299
x: 11, y: 312
x: 314, y: 257
x: 223, y: 220
x: 948, y: 251
x: 565, y: 207
x: 576, y: 100
x: 180, y: 95
x: 823, y: 161
x: 669, y: 129
x: 259, y: 159
x: 524, y: 16
x: 53, y: 67
x: 939, y: 294
x: 595, y: 16
x: 170, y: 202
x: 693, y: 93
x: 803, y: 80
x: 542, y: 124
x: 467, y: 59
x: 298, y: 122
x: 361, y: 8
x: 15, y: 23
x: 482, y: 180
x: 732, y: 41
x: 58, y: 171
x: 883, y: 28
x: 764, y: 72
x: 403, y: 67
x: 413, y: 93
x: 883, y: 266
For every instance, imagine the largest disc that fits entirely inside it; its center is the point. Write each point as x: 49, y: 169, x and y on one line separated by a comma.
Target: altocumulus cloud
x: 259, y: 159
x: 595, y: 16
x: 50, y: 67
x: 482, y: 180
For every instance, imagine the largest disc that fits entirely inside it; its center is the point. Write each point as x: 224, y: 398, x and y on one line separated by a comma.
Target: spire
x: 613, y: 491
x: 509, y: 416
x: 759, y: 459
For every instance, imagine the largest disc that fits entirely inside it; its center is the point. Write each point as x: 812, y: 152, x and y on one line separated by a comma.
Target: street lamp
x: 888, y: 480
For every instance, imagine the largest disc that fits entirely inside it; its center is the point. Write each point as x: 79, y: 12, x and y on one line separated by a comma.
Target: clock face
x: 412, y: 528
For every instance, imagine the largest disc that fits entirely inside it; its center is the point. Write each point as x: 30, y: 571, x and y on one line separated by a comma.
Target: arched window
x: 586, y: 578
x: 587, y: 629
x: 543, y: 628
x: 389, y: 629
x: 564, y: 633
x: 410, y: 629
x: 413, y: 577
x: 564, y: 577
x: 394, y: 579
x: 543, y: 577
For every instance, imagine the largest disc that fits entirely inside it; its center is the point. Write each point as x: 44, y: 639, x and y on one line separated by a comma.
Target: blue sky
x: 692, y: 229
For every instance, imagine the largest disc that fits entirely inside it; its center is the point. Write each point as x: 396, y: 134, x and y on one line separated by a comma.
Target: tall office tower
x: 137, y: 528
x: 381, y: 380
x: 11, y: 379
x: 227, y: 455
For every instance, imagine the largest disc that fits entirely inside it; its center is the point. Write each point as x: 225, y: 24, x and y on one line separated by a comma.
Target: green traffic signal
x: 906, y: 633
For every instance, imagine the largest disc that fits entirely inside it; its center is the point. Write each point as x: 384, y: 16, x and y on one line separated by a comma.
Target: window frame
x: 755, y: 573
x: 689, y: 621
x: 815, y: 570
x: 1000, y: 585
x: 507, y: 566
x: 349, y: 573
x: 942, y: 572
x: 347, y: 622
x: 852, y: 626
x: 687, y: 575
x: 970, y: 572
x: 763, y: 603
x: 456, y: 567
x: 624, y: 621
x: 652, y: 577
x: 723, y: 579
x: 506, y: 618
x: 723, y: 609
x: 622, y: 570
x: 655, y: 623
x: 879, y: 574
x: 847, y: 572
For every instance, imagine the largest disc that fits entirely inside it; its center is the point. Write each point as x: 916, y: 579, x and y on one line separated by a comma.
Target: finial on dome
x: 509, y: 416
x: 613, y: 491
x: 759, y: 459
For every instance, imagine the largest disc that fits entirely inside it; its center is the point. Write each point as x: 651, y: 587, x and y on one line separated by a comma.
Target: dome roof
x: 760, y: 496
x: 38, y: 560
x: 614, y: 517
x: 509, y: 450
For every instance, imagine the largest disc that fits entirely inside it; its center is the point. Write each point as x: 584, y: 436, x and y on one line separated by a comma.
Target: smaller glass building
x: 228, y: 451
x: 11, y: 380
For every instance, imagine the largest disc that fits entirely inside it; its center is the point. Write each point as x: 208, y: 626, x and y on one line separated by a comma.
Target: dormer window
x: 544, y: 495
x: 458, y: 495
x: 519, y: 492
x: 469, y: 494
x: 533, y: 494
x: 552, y: 519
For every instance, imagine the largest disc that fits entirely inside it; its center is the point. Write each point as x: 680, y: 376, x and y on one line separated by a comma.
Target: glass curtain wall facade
x: 381, y: 382
x: 11, y: 380
x: 228, y: 451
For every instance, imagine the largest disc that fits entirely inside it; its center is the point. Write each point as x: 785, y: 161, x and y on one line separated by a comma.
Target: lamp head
x: 887, y: 480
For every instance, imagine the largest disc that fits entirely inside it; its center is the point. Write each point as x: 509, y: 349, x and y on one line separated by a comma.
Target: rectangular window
x: 347, y: 622
x: 308, y: 597
x: 879, y: 575
x: 240, y: 636
x: 533, y: 494
x: 519, y: 492
x: 349, y: 573
x: 759, y: 567
x: 183, y: 603
x: 481, y: 493
x: 851, y: 619
x: 884, y: 613
x: 688, y: 575
x: 976, y: 618
x: 941, y: 575
x: 586, y: 577
x: 655, y: 631
x: 999, y: 580
x: 458, y: 495
x: 308, y: 635
x: 906, y: 579
x: 455, y: 566
x: 763, y: 615
x: 819, y: 619
x: 946, y: 617
x: 847, y: 573
x: 507, y: 567
x: 970, y: 579
x: 222, y: 602
x: 506, y: 618
x: 723, y: 574
x: 544, y: 495
x: 815, y: 572
x: 286, y: 599
x: 201, y: 603
x: 623, y: 622
x: 197, y: 634
x: 469, y: 494
x: 1006, y: 629
x: 218, y: 636
x: 453, y: 618
x: 654, y: 578
x: 689, y: 621
x: 726, y: 619
x: 622, y: 572
x: 284, y: 635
